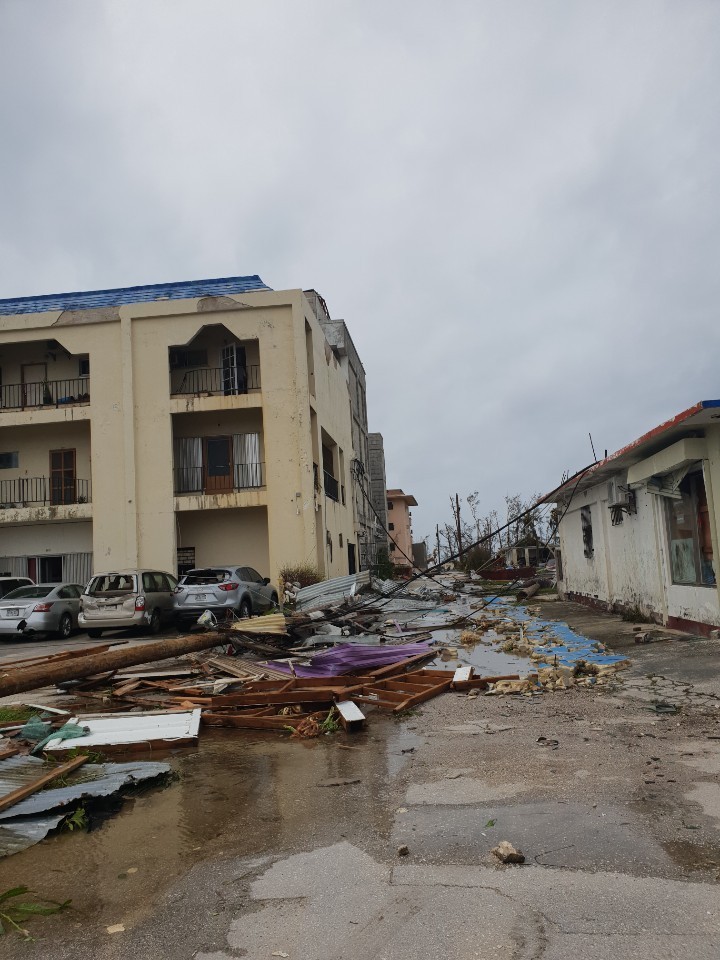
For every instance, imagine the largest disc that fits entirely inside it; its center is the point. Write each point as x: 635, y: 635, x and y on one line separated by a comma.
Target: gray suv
x: 224, y: 590
x: 127, y: 598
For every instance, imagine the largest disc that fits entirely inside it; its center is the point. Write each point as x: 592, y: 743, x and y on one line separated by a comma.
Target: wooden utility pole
x: 457, y: 523
x: 437, y: 538
x: 21, y: 679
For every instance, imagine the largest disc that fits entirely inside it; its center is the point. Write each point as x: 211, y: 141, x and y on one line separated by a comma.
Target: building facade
x: 378, y: 492
x: 639, y: 531
x: 169, y: 426
x: 400, y: 528
x: 340, y: 341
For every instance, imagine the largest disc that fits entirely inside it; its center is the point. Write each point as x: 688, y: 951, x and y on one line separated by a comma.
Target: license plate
x: 13, y: 613
x: 202, y: 597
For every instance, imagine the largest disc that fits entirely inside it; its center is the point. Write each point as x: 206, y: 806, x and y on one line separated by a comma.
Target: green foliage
x: 78, y: 820
x: 13, y: 914
x: 329, y: 724
x: 303, y: 573
x: 384, y: 568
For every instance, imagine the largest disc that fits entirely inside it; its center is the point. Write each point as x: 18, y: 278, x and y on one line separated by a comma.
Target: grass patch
x: 16, y: 714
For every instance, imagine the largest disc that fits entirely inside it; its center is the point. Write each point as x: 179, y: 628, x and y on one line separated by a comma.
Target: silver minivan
x: 127, y: 598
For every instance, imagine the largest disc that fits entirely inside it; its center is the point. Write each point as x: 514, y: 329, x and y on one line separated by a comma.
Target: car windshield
x: 205, y: 577
x: 29, y: 593
x: 112, y: 583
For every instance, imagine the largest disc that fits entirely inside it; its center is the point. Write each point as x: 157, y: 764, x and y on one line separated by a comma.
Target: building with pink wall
x: 400, y: 528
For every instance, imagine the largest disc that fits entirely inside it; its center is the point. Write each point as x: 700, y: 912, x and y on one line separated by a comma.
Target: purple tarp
x: 345, y: 657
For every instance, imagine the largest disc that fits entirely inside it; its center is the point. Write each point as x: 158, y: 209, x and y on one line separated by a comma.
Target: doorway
x: 234, y: 371
x: 217, y: 465
x: 352, y: 563
x: 45, y: 569
x: 34, y: 384
x: 62, y: 477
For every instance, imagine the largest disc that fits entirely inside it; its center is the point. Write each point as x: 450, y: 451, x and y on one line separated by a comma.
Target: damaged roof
x: 118, y: 296
x: 689, y: 423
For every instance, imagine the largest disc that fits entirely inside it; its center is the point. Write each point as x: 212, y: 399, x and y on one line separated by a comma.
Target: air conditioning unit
x: 618, y: 495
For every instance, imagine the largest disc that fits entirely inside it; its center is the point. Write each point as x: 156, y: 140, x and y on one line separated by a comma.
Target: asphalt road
x: 11, y: 649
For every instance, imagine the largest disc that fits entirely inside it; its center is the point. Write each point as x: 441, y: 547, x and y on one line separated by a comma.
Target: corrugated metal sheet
x: 21, y: 834
x: 90, y: 780
x: 86, y: 300
x: 332, y: 591
x: 132, y: 728
x: 32, y: 819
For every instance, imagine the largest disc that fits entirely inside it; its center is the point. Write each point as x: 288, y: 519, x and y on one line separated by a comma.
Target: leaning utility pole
x: 457, y: 523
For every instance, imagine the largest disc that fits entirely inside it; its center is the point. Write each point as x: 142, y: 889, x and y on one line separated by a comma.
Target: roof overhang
x: 659, y: 447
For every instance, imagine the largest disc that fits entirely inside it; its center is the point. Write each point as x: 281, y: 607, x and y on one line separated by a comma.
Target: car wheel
x: 155, y: 622
x: 94, y: 634
x: 274, y: 600
x: 244, y: 611
x: 65, y: 626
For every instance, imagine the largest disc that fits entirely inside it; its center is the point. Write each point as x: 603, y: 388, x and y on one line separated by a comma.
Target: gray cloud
x: 513, y: 204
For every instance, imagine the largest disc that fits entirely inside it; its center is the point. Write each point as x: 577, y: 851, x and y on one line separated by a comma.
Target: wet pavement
x: 266, y: 845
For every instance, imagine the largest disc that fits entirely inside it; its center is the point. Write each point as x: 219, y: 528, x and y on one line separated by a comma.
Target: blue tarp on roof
x: 185, y: 290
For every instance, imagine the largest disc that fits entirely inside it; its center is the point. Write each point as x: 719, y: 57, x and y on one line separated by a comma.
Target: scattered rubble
x: 339, y: 651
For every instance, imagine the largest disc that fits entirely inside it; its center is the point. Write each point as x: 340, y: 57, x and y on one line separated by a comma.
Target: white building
x: 640, y: 531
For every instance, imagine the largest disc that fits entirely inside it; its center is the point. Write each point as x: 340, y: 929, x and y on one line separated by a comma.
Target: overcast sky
x: 514, y: 205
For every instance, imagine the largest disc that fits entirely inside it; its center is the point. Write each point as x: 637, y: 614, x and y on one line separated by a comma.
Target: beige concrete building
x: 170, y: 426
x: 400, y: 528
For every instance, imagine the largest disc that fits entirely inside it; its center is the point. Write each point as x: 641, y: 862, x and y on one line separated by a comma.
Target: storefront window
x: 690, y: 540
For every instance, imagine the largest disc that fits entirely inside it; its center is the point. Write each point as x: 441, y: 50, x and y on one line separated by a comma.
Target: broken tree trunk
x: 18, y: 680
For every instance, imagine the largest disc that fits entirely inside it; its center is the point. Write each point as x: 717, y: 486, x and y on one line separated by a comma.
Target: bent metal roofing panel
x: 89, y: 299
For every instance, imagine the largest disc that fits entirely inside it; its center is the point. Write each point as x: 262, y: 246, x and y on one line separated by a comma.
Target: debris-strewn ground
x: 271, y: 847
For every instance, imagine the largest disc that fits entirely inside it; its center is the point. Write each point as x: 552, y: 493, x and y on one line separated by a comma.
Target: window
x: 8, y: 460
x: 341, y: 540
x: 690, y: 540
x: 392, y: 547
x: 587, y: 532
x: 84, y: 366
x: 390, y: 505
x: 185, y: 559
x: 391, y: 526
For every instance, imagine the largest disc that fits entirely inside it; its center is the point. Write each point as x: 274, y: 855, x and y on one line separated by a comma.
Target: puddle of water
x: 239, y: 794
x: 692, y: 856
x: 488, y: 661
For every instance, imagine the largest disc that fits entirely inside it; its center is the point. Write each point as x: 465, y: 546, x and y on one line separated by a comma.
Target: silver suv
x: 127, y: 598
x: 224, y: 590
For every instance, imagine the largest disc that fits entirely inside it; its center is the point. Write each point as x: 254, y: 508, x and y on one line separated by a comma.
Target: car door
x: 169, y: 584
x: 260, y: 592
x: 68, y: 602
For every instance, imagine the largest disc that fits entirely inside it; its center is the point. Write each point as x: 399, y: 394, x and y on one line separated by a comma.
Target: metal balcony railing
x: 216, y: 380
x: 332, y: 488
x: 43, y: 491
x: 48, y: 393
x: 243, y: 476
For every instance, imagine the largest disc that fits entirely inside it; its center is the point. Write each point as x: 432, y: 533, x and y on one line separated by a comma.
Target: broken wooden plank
x: 15, y: 796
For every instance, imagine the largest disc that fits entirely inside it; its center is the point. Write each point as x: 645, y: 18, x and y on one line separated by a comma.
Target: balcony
x: 47, y: 393
x: 241, y: 476
x: 216, y: 381
x: 43, y: 492
x: 218, y: 464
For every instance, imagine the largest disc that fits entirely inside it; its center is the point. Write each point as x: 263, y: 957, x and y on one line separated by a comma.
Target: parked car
x: 47, y: 608
x: 224, y: 590
x: 12, y: 583
x: 127, y: 598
